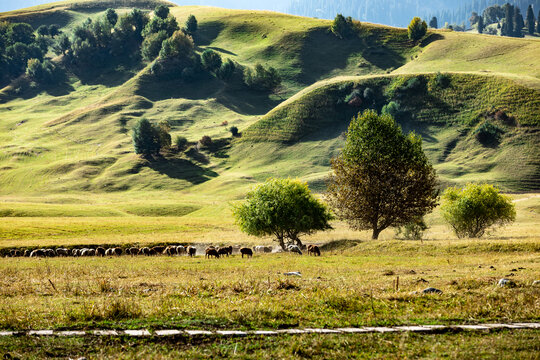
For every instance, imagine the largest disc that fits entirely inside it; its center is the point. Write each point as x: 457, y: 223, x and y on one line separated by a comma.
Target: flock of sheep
x: 171, y: 250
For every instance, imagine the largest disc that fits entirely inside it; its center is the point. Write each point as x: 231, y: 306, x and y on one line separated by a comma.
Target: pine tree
x: 538, y: 22
x: 530, y: 20
x: 508, y: 28
x: 433, y: 23
x: 518, y: 23
x: 480, y: 25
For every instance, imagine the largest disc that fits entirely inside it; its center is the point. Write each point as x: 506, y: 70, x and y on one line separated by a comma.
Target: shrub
x: 177, y: 46
x: 234, y: 131
x: 54, y: 30
x: 161, y: 11
x: 206, y: 141
x: 369, y: 94
x: 392, y: 108
x: 227, y: 70
x: 417, y: 29
x: 111, y: 16
x: 476, y: 208
x: 43, y: 30
x: 164, y: 136
x: 442, y: 80
x: 181, y: 143
x: 191, y: 25
x: 413, y: 230
x: 488, y: 133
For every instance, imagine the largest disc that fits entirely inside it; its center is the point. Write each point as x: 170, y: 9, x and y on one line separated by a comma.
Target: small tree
x: 151, y: 46
x: 530, y: 20
x: 234, y: 131
x: 165, y: 140
x: 54, y: 30
x: 111, y: 16
x: 538, y: 22
x: 227, y: 70
x: 474, y: 209
x: 211, y: 60
x: 191, y: 25
x: 283, y: 208
x: 342, y: 27
x: 433, y: 23
x: 413, y: 230
x: 417, y: 29
x: 146, y: 138
x: 382, y: 178
x: 43, y: 30
x: 519, y: 24
x: 161, y: 11
x: 181, y: 143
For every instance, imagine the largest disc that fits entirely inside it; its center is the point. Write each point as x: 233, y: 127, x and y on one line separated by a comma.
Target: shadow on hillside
x: 430, y: 38
x: 208, y: 32
x: 247, y: 102
x: 322, y: 53
x: 223, y: 51
x: 111, y: 76
x: 182, y: 169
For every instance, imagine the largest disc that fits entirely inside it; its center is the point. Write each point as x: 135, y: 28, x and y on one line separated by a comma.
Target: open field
x: 521, y: 344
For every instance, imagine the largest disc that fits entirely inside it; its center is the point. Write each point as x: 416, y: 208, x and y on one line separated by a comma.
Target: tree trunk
x: 282, y: 243
x: 375, y: 234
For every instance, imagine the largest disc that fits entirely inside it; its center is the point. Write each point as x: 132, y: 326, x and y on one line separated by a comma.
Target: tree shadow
x: 430, y: 38
x: 110, y: 76
x: 221, y: 50
x: 208, y: 32
x: 182, y: 169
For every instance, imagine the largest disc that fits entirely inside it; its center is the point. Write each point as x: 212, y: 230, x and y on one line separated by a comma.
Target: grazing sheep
x: 192, y: 251
x: 100, y: 251
x: 258, y: 249
x: 144, y: 251
x: 294, y: 249
x: 211, y: 251
x: 50, y: 253
x: 14, y: 253
x: 152, y: 252
x: 37, y: 253
x: 180, y: 250
x: 27, y: 253
x: 118, y: 251
x: 62, y: 252
x: 246, y: 251
x: 132, y: 251
x: 170, y: 250
x: 159, y: 249
x: 313, y: 250
x: 109, y: 252
x: 91, y: 252
x: 227, y: 250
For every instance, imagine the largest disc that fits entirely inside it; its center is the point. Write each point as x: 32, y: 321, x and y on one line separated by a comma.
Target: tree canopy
x: 475, y: 208
x: 283, y: 208
x: 417, y: 29
x: 382, y: 178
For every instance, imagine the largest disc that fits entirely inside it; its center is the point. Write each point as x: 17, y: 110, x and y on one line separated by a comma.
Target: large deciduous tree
x: 283, y: 208
x: 474, y: 209
x: 146, y: 138
x: 382, y: 178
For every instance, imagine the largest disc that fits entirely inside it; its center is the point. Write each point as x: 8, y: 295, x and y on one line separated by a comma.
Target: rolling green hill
x: 76, y: 137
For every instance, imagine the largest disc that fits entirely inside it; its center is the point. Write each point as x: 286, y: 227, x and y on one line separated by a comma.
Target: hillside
x: 76, y: 137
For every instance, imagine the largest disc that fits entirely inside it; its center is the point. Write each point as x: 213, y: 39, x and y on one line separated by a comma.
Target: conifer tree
x: 530, y: 20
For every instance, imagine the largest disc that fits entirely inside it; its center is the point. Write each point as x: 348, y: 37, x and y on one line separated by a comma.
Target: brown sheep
x: 192, y: 251
x: 313, y: 250
x: 227, y: 250
x: 118, y: 251
x: 100, y: 251
x: 246, y: 251
x: 211, y: 251
x: 132, y: 251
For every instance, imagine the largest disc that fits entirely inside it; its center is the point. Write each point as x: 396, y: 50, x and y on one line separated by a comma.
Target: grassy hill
x: 76, y: 138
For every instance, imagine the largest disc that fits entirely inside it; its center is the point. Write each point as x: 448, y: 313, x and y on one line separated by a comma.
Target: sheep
x: 246, y: 251
x: 159, y: 249
x: 192, y: 251
x: 62, y: 252
x: 37, y: 253
x: 144, y: 251
x: 100, y: 251
x: 109, y: 252
x: 313, y: 250
x: 14, y: 253
x: 258, y: 249
x: 227, y: 250
x: 170, y: 250
x: 294, y: 249
x: 180, y: 250
x: 117, y: 251
x: 211, y: 251
x: 27, y: 253
x: 132, y: 251
x: 50, y: 253
x: 91, y: 252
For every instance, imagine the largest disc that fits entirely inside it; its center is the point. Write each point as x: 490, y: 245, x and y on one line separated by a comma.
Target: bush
x: 413, y: 230
x: 161, y: 11
x: 442, y: 80
x: 392, y: 108
x: 234, y: 131
x: 181, y: 143
x: 476, y: 208
x: 488, y: 133
x: 43, y: 72
x: 177, y: 46
x: 417, y: 29
x: 191, y: 25
x: 227, y: 70
x: 164, y: 136
x: 211, y: 60
x: 206, y: 141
